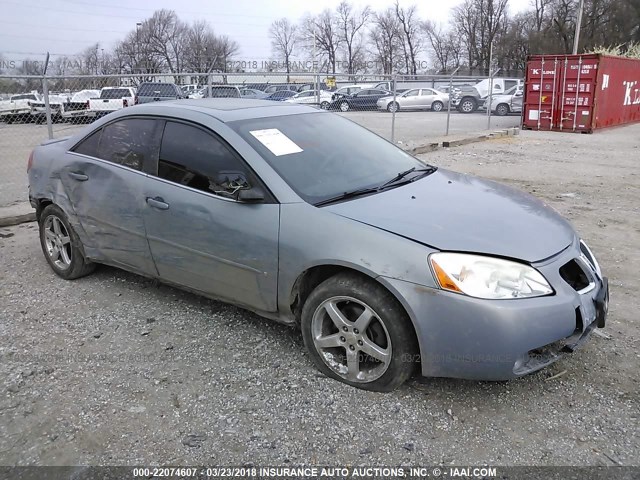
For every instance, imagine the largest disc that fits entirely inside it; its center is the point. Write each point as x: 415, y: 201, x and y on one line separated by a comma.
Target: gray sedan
x: 387, y: 264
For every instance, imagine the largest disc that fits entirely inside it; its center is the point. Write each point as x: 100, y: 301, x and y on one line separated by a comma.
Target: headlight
x: 487, y: 277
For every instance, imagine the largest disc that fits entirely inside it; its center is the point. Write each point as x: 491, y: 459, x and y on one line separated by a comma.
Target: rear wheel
x: 467, y: 105
x: 393, y: 107
x: 61, y: 245
x: 324, y: 105
x: 357, y: 332
x: 502, y: 109
x: 437, y: 106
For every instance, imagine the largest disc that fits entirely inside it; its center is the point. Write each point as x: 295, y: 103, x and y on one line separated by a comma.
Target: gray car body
x: 257, y: 255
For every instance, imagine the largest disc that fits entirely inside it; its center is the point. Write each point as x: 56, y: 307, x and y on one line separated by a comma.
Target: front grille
x: 573, y: 273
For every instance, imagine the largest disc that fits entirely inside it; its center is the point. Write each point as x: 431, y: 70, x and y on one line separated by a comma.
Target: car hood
x: 457, y: 212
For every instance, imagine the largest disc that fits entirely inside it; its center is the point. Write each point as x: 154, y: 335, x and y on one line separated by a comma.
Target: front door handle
x: 81, y: 177
x: 157, y: 202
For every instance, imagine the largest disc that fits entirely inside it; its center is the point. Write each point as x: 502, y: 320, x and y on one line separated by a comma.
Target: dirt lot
x: 113, y: 369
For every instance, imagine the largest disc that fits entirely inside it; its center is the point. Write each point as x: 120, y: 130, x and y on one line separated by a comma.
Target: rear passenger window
x: 192, y: 157
x: 128, y: 142
x: 89, y: 146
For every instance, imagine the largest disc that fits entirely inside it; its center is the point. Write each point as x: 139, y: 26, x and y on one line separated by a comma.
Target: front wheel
x: 324, y: 105
x: 393, y: 107
x: 437, y: 106
x: 344, y: 106
x: 502, y: 109
x: 61, y: 245
x: 357, y: 332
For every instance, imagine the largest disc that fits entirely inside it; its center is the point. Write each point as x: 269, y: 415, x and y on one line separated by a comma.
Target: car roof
x: 224, y: 109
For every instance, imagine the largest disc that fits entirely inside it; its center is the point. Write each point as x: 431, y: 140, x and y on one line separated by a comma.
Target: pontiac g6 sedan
x: 386, y: 263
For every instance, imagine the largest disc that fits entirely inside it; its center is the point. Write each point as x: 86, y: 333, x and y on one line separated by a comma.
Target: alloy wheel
x: 351, y: 339
x: 58, y: 242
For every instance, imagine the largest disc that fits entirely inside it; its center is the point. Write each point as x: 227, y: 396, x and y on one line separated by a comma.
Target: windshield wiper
x: 401, y: 175
x: 346, y: 195
x: 364, y: 191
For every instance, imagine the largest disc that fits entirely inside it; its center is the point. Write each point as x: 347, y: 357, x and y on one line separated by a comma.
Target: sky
x: 28, y: 28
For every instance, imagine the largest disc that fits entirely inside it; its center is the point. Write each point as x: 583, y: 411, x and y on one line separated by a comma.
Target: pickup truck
x: 18, y: 107
x: 110, y: 100
x: 63, y: 107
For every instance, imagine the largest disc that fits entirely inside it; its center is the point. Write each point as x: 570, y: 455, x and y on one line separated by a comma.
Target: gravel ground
x: 115, y: 369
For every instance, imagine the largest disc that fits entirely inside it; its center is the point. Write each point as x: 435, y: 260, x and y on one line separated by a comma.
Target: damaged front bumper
x: 472, y: 338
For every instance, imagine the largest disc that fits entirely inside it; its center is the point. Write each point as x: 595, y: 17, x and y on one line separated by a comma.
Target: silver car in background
x: 415, y: 99
x: 510, y: 102
x: 386, y: 263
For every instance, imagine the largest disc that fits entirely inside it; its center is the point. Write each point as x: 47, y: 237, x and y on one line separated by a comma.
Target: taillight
x: 124, y: 103
x: 87, y: 105
x: 30, y: 161
x: 135, y: 100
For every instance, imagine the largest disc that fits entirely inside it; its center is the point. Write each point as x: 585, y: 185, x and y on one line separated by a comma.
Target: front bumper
x: 471, y: 338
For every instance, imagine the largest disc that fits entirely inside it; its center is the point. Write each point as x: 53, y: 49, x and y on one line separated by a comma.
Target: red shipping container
x: 580, y: 93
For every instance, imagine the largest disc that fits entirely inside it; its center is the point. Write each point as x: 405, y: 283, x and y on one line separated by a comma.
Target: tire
x: 343, y: 355
x: 324, y: 105
x: 344, y: 106
x: 437, y: 106
x: 61, y: 246
x: 502, y: 109
x: 467, y: 105
x: 393, y: 107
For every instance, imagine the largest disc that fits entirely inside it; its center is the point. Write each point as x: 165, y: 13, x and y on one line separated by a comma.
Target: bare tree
x: 283, y: 41
x: 320, y: 33
x: 478, y: 22
x: 386, y: 37
x: 410, y: 26
x: 445, y: 44
x: 166, y: 34
x: 351, y: 24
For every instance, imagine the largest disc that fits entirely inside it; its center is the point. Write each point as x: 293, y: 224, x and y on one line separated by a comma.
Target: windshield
x: 224, y: 92
x: 321, y: 155
x: 114, y: 93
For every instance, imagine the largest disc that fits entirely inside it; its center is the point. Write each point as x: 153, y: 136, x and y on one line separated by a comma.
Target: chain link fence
x: 409, y: 111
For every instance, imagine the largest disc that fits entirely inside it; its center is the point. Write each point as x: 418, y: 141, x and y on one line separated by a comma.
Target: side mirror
x: 519, y: 93
x: 251, y: 195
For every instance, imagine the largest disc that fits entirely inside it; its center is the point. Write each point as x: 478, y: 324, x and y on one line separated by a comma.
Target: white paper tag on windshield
x: 276, y: 141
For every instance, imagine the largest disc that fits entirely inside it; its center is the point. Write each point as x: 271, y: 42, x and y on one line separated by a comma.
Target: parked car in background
x: 38, y: 110
x: 312, y: 97
x: 252, y: 93
x: 111, y: 99
x: 348, y: 90
x: 280, y: 87
x: 280, y: 95
x: 189, y: 88
x: 470, y: 99
x: 365, y: 99
x: 158, y: 92
x: 435, y: 270
x: 415, y: 99
x: 78, y: 104
x: 510, y: 102
x: 18, y: 107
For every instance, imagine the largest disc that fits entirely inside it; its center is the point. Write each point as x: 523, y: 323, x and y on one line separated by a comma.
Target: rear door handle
x: 81, y: 177
x: 157, y: 202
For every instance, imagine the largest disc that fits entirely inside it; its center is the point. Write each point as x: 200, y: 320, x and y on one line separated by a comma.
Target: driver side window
x: 412, y: 93
x: 193, y: 157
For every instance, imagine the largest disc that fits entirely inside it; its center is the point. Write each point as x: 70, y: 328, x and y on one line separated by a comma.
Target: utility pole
x: 576, y: 36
